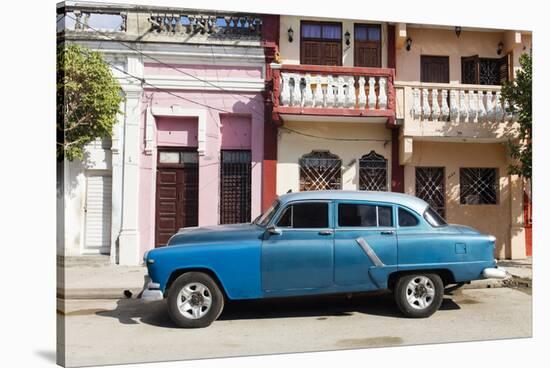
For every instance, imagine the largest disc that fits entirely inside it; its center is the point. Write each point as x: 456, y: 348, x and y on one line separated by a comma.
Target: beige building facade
x: 402, y: 107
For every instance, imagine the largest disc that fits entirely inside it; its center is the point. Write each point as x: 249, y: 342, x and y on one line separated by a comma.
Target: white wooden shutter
x: 98, y: 213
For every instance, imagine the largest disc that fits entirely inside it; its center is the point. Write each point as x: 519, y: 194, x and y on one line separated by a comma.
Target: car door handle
x: 325, y: 232
x: 387, y: 232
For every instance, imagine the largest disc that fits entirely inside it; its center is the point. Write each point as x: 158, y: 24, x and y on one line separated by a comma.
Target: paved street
x: 123, y: 331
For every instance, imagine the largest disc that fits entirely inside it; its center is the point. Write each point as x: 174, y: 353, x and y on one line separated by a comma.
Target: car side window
x: 305, y: 216
x: 406, y: 218
x: 364, y: 215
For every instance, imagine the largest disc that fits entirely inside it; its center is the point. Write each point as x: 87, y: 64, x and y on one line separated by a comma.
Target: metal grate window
x: 373, y: 172
x: 320, y: 170
x: 235, y: 187
x: 478, y: 186
x: 430, y: 186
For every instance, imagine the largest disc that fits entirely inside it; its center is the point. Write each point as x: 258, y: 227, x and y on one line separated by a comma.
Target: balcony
x: 454, y: 112
x: 302, y: 92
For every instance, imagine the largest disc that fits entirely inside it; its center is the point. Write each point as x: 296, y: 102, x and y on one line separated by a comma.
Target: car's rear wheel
x: 419, y: 295
x: 194, y: 300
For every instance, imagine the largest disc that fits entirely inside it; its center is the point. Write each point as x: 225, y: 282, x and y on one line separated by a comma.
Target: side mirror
x: 272, y: 230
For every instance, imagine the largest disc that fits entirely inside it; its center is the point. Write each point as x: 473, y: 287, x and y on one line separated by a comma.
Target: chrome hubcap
x: 194, y: 300
x: 420, y: 292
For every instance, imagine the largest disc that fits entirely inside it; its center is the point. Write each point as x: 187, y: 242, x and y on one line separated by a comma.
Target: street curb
x: 104, y: 293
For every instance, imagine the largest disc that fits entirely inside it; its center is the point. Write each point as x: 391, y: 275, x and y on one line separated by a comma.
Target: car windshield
x: 434, y: 218
x: 265, y: 217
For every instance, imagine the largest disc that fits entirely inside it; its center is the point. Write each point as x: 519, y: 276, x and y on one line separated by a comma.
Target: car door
x: 365, y: 244
x: 297, y: 254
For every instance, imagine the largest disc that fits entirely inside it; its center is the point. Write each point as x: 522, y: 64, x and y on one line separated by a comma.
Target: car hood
x: 216, y: 234
x: 462, y: 229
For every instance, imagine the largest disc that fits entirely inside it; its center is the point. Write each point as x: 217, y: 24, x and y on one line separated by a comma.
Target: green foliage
x: 518, y: 94
x: 88, y: 99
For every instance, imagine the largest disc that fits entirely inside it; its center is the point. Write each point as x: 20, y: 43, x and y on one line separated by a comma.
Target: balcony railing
x: 454, y: 110
x: 331, y: 90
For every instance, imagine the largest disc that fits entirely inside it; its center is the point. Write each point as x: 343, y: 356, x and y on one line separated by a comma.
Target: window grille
x: 373, y: 172
x: 478, y: 186
x: 320, y: 170
x: 430, y: 186
x: 235, y: 187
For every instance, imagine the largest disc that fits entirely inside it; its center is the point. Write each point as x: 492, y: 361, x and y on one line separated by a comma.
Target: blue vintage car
x: 323, y: 242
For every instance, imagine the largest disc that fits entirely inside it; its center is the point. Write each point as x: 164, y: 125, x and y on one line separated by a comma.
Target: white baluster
x: 508, y: 116
x: 372, y: 94
x: 453, y: 112
x: 285, y: 89
x: 444, y: 105
x: 296, y: 96
x: 436, y: 111
x: 481, y: 111
x: 382, y: 96
x: 416, y: 110
x: 318, y: 97
x: 329, y: 96
x: 463, y: 106
x: 349, y: 100
x: 425, y: 104
x: 490, y: 107
x: 472, y: 106
x: 308, y: 92
x: 362, y: 95
x: 499, y: 110
x: 339, y: 100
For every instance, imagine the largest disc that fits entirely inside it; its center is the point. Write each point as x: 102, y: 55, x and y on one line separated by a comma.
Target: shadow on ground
x: 134, y: 311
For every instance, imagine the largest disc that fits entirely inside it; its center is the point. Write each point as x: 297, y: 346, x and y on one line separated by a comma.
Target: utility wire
x: 385, y: 141
x: 159, y: 61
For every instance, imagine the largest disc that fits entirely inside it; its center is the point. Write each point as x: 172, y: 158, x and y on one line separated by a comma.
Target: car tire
x: 419, y: 295
x: 194, y: 300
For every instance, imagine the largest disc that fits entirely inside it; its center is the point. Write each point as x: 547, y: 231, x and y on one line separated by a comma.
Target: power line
x: 385, y: 141
x: 159, y: 61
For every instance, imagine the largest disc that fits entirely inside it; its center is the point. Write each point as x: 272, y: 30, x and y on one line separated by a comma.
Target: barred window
x: 478, y: 186
x: 430, y: 186
x: 320, y: 170
x: 373, y: 172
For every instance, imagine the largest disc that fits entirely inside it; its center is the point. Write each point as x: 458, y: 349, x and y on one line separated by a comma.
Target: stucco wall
x: 246, y: 106
x: 490, y: 219
x: 290, y: 51
x: 292, y: 146
x: 443, y: 42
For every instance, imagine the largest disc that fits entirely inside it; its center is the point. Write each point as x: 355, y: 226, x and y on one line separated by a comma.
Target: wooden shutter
x: 331, y: 53
x: 367, y: 49
x: 504, y: 68
x: 311, y: 53
x: 434, y: 69
x: 470, y: 70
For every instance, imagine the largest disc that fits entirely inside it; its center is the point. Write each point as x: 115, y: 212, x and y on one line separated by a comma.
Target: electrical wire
x: 159, y: 61
x: 385, y: 141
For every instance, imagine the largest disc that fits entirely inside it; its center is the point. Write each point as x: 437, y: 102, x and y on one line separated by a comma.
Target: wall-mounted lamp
x: 458, y: 29
x: 500, y: 46
x: 409, y: 43
x: 290, y: 34
x: 347, y: 36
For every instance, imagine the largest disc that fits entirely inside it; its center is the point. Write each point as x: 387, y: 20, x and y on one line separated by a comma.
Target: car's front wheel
x: 194, y: 300
x: 419, y: 295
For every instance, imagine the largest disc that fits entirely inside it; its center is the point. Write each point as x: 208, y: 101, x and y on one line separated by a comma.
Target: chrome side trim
x: 370, y: 253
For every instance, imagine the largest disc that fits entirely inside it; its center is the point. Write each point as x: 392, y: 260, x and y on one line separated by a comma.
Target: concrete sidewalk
x: 106, y: 281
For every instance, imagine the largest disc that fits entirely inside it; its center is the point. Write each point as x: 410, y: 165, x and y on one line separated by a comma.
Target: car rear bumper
x: 494, y: 273
x: 151, y: 290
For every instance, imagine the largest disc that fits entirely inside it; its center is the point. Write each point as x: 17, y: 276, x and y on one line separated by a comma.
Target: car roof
x: 405, y: 200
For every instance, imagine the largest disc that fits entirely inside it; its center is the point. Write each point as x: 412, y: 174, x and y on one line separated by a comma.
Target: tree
x: 518, y: 94
x: 88, y: 100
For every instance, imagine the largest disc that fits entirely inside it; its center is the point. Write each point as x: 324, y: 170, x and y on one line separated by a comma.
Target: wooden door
x: 470, y: 69
x: 177, y: 197
x: 434, y: 69
x: 367, y: 46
